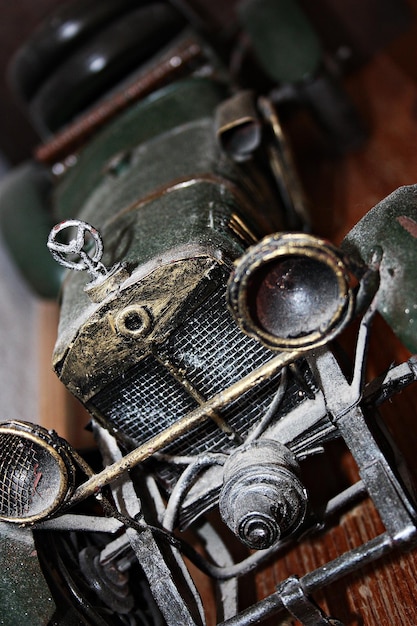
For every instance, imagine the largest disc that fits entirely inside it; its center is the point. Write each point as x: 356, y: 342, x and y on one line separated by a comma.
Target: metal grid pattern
x: 147, y: 399
x: 143, y: 401
x: 212, y: 354
x: 242, y: 415
x: 126, y: 410
x: 212, y: 351
x: 18, y: 462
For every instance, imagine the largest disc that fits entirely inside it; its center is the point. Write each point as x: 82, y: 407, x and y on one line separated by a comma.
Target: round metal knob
x: 262, y: 499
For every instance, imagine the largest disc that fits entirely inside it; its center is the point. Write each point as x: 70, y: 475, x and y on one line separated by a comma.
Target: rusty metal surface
x: 378, y: 599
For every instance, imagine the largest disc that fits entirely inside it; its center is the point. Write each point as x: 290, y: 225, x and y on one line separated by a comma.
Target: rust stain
x: 408, y: 224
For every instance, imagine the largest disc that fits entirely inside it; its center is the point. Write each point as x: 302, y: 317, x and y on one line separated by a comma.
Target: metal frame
x: 343, y: 402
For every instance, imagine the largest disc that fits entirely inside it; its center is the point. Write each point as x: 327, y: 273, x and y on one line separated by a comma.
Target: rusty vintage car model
x: 199, y: 325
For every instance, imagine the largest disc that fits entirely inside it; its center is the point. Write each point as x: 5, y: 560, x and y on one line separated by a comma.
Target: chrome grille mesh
x: 212, y: 351
x: 212, y: 354
x: 240, y: 416
x: 143, y: 401
x: 18, y: 462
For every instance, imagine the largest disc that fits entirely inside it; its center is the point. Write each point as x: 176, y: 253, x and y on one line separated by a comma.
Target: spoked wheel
x: 91, y: 589
x: 85, y: 591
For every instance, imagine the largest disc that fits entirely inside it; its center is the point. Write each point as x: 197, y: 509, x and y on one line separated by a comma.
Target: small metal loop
x: 62, y: 252
x: 301, y: 606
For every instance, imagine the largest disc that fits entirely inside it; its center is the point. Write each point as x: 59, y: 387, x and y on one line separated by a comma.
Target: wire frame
x: 36, y: 472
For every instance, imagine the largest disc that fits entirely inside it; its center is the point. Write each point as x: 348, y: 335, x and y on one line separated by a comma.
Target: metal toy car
x: 202, y: 342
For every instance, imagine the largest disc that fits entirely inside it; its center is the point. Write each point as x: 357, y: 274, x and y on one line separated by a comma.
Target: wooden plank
x: 340, y: 191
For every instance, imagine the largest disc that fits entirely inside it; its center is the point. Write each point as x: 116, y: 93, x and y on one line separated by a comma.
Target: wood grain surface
x: 340, y: 191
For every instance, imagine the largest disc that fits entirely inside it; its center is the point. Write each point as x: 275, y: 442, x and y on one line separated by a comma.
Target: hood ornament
x: 83, y: 251
x: 78, y: 246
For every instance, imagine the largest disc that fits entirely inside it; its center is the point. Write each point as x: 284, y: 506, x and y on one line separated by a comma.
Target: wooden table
x: 340, y: 191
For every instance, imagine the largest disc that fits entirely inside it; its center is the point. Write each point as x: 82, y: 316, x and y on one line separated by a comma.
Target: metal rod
x: 65, y: 141
x: 183, y: 425
x: 84, y: 523
x: 313, y: 581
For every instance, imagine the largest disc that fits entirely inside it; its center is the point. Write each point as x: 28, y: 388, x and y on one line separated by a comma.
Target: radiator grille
x: 211, y: 353
x: 241, y: 415
x: 143, y: 401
